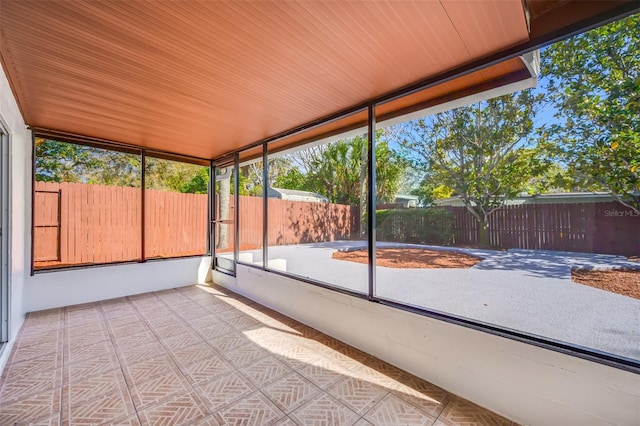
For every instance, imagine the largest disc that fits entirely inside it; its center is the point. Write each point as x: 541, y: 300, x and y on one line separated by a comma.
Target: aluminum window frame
x: 119, y: 147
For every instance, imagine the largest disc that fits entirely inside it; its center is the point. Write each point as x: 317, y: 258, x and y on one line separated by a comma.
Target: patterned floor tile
x: 123, y: 311
x: 114, y: 304
x: 322, y: 411
x: 219, y: 308
x: 133, y: 353
x: 28, y: 330
x: 128, y: 329
x: 82, y: 307
x: 291, y: 391
x: 32, y: 408
x: 86, y: 352
x: 82, y: 320
x: 158, y: 389
x: 45, y: 316
x: 181, y: 340
x: 129, y: 317
x: 53, y: 420
x: 245, y: 355
x: 208, y: 421
x: 228, y: 342
x: 193, y: 353
x: 323, y: 372
x: 230, y: 314
x: 389, y: 379
x: 191, y: 311
x: 393, y: 411
x: 36, y: 350
x: 185, y: 409
x: 23, y: 386
x: 175, y: 329
x: 198, y: 355
x: 461, y: 412
x: 81, y: 329
x: 203, y: 321
x: 206, y: 369
x: 94, y: 388
x: 274, y: 339
x: 265, y: 371
x: 244, y: 323
x: 106, y: 409
x: 214, y: 331
x: 81, y: 339
x: 147, y: 369
x: 422, y: 394
x: 137, y: 339
x: 93, y: 367
x: 253, y: 410
x: 359, y: 395
x: 38, y: 365
x: 51, y: 336
x: 285, y: 421
x: 224, y: 390
x: 125, y: 421
x: 162, y: 321
x: 295, y: 356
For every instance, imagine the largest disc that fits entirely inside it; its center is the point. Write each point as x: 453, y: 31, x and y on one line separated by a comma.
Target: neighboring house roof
x: 405, y: 197
x: 551, y: 198
x: 296, y: 195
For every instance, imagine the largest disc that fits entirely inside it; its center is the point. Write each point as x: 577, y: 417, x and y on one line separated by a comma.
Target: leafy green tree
x: 66, y: 162
x: 485, y: 152
x: 338, y: 171
x: 594, y: 83
x: 168, y: 175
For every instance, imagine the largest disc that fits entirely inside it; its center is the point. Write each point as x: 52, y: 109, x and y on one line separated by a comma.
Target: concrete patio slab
x: 525, y: 290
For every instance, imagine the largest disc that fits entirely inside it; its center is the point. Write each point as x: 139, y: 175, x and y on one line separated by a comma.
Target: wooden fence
x: 77, y: 224
x: 608, y: 228
x: 295, y: 222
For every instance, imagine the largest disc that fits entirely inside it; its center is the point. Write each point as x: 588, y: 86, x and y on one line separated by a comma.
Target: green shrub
x: 419, y: 226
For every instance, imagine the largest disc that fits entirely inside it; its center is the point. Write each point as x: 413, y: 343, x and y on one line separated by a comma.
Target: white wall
x: 19, y: 217
x: 527, y: 384
x: 71, y: 287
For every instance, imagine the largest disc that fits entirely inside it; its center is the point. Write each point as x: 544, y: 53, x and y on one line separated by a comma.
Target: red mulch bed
x: 624, y: 282
x: 411, y: 258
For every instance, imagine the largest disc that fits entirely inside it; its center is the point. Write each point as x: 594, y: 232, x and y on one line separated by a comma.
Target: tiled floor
x: 200, y: 356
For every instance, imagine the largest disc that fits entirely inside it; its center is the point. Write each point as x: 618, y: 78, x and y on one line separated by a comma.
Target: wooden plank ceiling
x: 205, y: 78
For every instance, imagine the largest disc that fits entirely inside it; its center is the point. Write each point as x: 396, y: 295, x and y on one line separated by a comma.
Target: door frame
x: 228, y: 266
x: 5, y: 233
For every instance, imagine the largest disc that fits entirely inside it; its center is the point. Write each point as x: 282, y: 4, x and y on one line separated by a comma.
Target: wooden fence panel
x: 101, y: 224
x: 608, y: 228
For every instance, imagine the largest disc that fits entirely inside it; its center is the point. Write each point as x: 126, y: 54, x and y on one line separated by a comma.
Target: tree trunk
x: 363, y: 191
x: 483, y: 234
x: 223, y: 209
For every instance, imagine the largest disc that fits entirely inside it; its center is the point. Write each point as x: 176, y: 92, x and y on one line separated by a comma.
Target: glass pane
x: 87, y: 207
x: 224, y: 214
x: 251, y: 211
x: 317, y: 201
x: 176, y: 208
x: 523, y: 210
